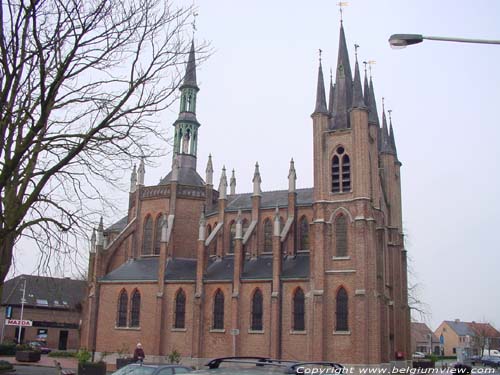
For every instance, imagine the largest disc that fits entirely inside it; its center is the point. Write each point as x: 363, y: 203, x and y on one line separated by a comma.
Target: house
x: 424, y: 340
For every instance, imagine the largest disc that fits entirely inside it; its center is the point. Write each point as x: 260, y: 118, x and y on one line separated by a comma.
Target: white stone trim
x: 341, y: 258
x: 249, y: 231
x: 340, y: 271
x: 213, y: 234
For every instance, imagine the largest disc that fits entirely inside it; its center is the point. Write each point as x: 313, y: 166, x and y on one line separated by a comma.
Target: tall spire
x: 331, y: 96
x: 357, y: 97
x: 391, y: 135
x: 366, y: 88
x: 320, y: 91
x: 385, y: 143
x: 372, y: 106
x: 343, y: 85
x: 190, y: 76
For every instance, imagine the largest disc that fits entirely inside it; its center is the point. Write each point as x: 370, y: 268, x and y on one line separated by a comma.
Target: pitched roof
x: 420, y: 333
x: 118, y: 226
x: 460, y: 328
x: 42, y: 291
x: 484, y: 329
x: 187, y: 176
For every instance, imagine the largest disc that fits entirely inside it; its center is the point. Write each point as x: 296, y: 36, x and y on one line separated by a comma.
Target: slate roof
x: 42, y: 291
x: 179, y: 269
x: 460, y: 328
x: 187, y: 176
x: 420, y: 333
x: 118, y: 226
x: 269, y: 199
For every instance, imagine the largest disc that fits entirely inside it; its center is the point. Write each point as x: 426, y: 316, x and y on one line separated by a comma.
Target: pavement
x: 46, y: 361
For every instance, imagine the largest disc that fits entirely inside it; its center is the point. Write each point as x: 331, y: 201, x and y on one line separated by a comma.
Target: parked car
x: 41, y: 346
x: 151, y: 369
x: 474, y: 360
x: 492, y: 361
x: 418, y: 355
x: 262, y: 365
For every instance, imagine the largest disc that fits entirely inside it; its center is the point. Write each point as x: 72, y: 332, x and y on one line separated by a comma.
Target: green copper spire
x: 186, y: 125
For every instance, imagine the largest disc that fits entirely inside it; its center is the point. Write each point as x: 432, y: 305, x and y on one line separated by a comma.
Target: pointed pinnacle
x: 357, y: 99
x: 320, y: 93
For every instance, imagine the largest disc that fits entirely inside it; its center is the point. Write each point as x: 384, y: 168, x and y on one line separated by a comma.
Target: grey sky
x: 257, y: 94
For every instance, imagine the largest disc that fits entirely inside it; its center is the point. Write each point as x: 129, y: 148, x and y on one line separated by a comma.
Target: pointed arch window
x: 303, y: 234
x: 121, y: 319
x: 341, y: 171
x: 299, y: 310
x: 218, y: 318
x: 341, y: 236
x: 257, y: 311
x: 342, y: 310
x: 232, y: 235
x: 135, y: 309
x: 156, y: 249
x: 147, y: 236
x: 268, y: 236
x: 180, y: 309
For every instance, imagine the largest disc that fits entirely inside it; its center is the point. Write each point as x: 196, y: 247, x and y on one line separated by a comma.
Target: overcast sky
x: 258, y: 91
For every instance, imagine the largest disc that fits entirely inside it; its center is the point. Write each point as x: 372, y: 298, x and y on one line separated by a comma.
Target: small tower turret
x: 133, y: 180
x: 232, y: 183
x: 256, y: 181
x: 141, y: 172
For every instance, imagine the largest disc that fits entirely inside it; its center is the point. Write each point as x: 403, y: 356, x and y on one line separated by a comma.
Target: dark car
x: 492, y: 361
x: 151, y: 369
x: 41, y: 346
x: 475, y: 359
x: 263, y: 365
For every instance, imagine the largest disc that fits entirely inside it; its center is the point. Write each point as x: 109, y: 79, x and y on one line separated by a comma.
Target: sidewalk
x: 46, y: 361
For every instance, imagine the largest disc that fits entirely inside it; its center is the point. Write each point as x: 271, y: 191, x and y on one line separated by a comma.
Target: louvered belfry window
x: 299, y: 310
x: 121, y: 320
x: 342, y: 311
x: 257, y: 311
x: 135, y: 309
x: 341, y: 236
x: 335, y: 175
x: 180, y: 309
x: 304, y: 234
x: 218, y: 321
x: 147, y: 237
x: 341, y: 171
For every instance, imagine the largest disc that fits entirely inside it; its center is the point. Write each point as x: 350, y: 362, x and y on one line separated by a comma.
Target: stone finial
x: 202, y: 226
x: 92, y: 241
x: 164, y: 228
x: 232, y: 183
x: 256, y: 181
x: 209, y: 171
x: 223, y: 184
x: 175, y: 170
x: 277, y: 222
x: 100, y: 234
x: 141, y: 171
x: 292, y: 177
x: 239, y: 226
x: 133, y: 180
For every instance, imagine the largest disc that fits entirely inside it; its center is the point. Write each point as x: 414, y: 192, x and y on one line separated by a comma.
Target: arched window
x: 135, y: 309
x: 147, y: 236
x: 257, y: 310
x: 341, y: 171
x: 157, y: 236
x: 341, y: 236
x: 303, y: 234
x: 180, y: 309
x: 341, y: 311
x: 121, y: 319
x: 335, y: 175
x: 218, y: 321
x: 232, y: 235
x: 346, y: 173
x: 268, y: 236
x: 299, y: 310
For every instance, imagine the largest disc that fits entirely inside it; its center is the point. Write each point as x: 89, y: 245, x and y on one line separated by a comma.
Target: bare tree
x: 81, y: 84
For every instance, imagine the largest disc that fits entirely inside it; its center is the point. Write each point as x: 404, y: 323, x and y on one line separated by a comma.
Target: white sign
x: 235, y: 332
x: 17, y: 322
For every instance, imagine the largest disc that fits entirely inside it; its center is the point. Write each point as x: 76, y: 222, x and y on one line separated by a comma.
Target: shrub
x: 83, y: 355
x: 62, y: 354
x: 7, y: 349
x: 4, y: 365
x: 174, y: 357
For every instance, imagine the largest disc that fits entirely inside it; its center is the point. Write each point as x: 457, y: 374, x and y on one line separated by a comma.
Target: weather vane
x: 342, y: 4
x: 195, y: 14
x: 365, y: 64
x: 389, y: 111
x: 356, y: 46
x: 320, y: 51
x: 370, y: 63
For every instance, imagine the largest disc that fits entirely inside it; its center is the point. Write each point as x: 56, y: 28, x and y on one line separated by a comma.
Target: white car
x: 418, y: 355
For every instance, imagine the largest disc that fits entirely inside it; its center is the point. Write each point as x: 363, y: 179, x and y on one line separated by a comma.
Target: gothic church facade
x: 310, y: 274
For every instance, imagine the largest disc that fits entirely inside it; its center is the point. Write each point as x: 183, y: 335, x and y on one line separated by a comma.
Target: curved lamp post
x: 402, y: 40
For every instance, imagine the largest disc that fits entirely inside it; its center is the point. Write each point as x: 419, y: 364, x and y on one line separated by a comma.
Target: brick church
x: 310, y: 274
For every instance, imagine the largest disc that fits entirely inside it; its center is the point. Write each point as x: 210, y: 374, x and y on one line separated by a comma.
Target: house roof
x: 42, y: 291
x: 179, y: 269
x: 460, y: 328
x: 420, y: 333
x: 484, y: 329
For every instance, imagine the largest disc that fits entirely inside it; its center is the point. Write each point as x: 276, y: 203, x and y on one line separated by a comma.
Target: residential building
x: 423, y: 340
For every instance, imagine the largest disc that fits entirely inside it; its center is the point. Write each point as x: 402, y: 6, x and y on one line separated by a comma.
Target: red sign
x: 17, y: 322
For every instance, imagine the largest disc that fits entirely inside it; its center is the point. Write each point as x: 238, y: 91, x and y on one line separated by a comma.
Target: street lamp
x: 402, y: 40
x: 23, y: 301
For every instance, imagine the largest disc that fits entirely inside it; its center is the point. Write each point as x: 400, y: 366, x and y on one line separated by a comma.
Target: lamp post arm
x: 462, y: 40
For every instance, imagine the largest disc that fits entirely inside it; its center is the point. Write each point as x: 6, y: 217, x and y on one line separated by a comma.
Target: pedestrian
x: 139, y: 353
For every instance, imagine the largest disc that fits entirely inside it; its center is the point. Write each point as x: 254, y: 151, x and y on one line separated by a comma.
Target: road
x: 35, y: 370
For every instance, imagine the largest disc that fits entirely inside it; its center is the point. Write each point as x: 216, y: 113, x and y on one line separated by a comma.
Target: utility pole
x: 23, y: 301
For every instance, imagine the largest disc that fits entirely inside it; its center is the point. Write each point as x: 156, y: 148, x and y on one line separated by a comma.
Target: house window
x: 218, y: 321
x: 232, y: 235
x: 303, y: 234
x: 180, y: 309
x: 135, y: 309
x: 121, y: 320
x: 298, y: 310
x: 157, y: 235
x: 257, y: 310
x: 341, y: 171
x: 341, y: 311
x: 268, y: 236
x: 147, y: 236
x: 341, y: 236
